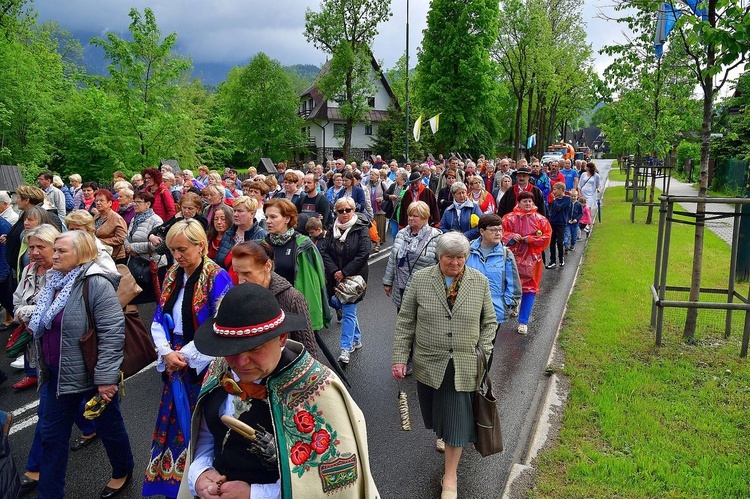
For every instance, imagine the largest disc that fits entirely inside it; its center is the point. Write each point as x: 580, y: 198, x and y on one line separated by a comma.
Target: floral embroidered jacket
x: 320, y: 431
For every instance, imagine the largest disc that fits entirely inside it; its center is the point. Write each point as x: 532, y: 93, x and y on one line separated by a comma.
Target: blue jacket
x: 576, y: 213
x: 559, y: 211
x: 358, y: 195
x: 502, y: 272
x: 68, y: 192
x: 254, y: 233
x: 5, y: 227
x: 451, y: 222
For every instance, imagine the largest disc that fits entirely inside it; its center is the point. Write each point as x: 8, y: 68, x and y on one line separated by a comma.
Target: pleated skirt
x: 447, y: 412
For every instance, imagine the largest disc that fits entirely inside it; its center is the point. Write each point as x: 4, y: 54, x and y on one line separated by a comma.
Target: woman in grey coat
x: 58, y: 323
x: 137, y: 244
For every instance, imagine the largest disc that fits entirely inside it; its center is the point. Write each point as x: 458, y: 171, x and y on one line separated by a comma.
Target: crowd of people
x: 468, y: 251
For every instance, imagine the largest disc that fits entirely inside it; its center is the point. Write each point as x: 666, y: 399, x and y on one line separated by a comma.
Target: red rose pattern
x: 305, y: 421
x: 300, y: 453
x: 321, y: 439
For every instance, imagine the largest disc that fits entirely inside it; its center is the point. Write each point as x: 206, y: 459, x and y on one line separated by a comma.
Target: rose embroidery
x: 300, y: 453
x: 305, y: 421
x: 321, y: 439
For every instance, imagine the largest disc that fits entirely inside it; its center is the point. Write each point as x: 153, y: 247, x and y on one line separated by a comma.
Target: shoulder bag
x: 388, y: 206
x: 486, y: 419
x: 138, y: 352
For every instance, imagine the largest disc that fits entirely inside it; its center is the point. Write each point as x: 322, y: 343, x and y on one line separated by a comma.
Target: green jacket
x: 309, y: 279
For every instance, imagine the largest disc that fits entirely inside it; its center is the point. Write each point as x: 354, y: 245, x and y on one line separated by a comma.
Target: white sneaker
x: 344, y: 357
x: 356, y: 346
x: 523, y: 329
x: 18, y: 363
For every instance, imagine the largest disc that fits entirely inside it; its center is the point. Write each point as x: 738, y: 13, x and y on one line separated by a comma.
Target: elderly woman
x: 395, y: 192
x: 59, y: 321
x: 214, y: 178
x: 446, y: 313
x: 480, y: 196
x: 413, y: 249
x: 527, y: 235
x: 126, y: 209
x: 32, y: 217
x: 82, y: 220
x: 109, y: 227
x: 192, y: 290
x: 245, y: 227
x: 458, y: 216
x: 137, y: 244
x: 491, y: 258
x: 506, y: 185
x: 75, y: 188
x: 214, y: 197
x: 379, y: 185
x: 163, y: 204
x: 86, y: 201
x: 296, y: 259
x: 221, y: 222
x: 347, y: 249
x: 253, y: 262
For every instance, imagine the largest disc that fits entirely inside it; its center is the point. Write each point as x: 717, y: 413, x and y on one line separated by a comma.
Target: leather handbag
x: 486, y: 418
x: 141, y: 270
x: 128, y: 288
x: 138, y: 351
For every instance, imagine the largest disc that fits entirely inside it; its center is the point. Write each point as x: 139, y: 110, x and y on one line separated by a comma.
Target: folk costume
x: 311, y: 436
x: 196, y: 297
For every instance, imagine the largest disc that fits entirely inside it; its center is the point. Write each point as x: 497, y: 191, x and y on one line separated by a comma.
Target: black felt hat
x: 248, y: 316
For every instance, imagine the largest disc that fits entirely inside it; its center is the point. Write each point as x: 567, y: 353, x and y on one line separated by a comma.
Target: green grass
x: 641, y: 420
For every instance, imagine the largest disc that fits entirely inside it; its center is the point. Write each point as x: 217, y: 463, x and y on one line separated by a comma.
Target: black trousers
x: 556, y: 244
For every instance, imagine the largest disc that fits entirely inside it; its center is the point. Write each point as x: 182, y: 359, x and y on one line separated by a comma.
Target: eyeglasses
x: 139, y: 201
x: 494, y: 230
x: 344, y: 210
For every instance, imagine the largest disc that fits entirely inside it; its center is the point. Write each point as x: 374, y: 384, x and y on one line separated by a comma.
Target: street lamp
x: 407, y: 82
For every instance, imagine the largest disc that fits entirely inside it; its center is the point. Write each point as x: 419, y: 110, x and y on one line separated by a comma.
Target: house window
x: 368, y: 129
x: 371, y: 101
x: 339, y: 129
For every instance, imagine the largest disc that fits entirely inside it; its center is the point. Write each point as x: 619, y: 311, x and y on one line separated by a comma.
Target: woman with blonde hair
x: 82, y: 220
x: 244, y: 228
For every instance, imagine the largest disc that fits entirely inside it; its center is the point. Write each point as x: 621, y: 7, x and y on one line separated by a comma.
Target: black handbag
x: 388, y: 205
x: 141, y: 270
x: 486, y: 419
x: 10, y: 482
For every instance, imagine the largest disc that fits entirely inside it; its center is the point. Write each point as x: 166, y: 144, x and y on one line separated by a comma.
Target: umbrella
x: 179, y: 392
x: 599, y: 209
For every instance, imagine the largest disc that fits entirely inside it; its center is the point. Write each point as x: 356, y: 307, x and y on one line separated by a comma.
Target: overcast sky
x: 232, y: 31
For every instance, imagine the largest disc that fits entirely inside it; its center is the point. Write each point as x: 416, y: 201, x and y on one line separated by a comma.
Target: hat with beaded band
x: 248, y: 316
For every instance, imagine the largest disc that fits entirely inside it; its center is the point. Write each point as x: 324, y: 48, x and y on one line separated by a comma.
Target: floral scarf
x: 49, y: 305
x: 281, y: 239
x: 452, y: 291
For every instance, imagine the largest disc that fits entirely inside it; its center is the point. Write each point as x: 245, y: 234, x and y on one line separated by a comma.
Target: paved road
x: 404, y: 464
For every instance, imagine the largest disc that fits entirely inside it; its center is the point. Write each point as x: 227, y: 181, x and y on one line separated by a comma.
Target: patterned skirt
x: 169, y: 446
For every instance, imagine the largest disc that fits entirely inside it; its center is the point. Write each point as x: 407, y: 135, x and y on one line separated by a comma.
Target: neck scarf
x: 99, y: 221
x: 49, y: 305
x: 452, y: 291
x: 281, y: 239
x: 413, y: 243
x: 139, y: 218
x: 341, y: 230
x: 188, y: 318
x: 460, y: 206
x: 243, y: 390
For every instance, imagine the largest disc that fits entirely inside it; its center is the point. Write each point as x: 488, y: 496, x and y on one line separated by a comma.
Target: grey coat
x: 427, y: 257
x: 110, y: 328
x: 138, y: 242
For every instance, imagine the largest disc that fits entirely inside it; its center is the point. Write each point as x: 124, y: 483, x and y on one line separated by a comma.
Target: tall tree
x: 456, y: 77
x: 345, y: 29
x: 260, y: 104
x: 144, y: 75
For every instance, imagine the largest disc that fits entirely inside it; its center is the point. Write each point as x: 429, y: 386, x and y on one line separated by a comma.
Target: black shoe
x: 338, y: 314
x: 551, y: 265
x: 81, y: 442
x: 28, y: 484
x: 110, y: 492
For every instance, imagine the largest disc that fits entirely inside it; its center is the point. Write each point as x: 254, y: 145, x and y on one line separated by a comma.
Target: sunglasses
x: 344, y: 210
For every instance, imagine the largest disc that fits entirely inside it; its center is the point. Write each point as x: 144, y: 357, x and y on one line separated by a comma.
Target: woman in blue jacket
x: 351, y: 190
x: 458, y: 215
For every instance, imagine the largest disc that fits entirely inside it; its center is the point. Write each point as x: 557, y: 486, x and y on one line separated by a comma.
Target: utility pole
x: 407, y: 81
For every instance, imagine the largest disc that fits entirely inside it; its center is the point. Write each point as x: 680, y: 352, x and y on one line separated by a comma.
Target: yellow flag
x: 418, y: 128
x: 435, y: 122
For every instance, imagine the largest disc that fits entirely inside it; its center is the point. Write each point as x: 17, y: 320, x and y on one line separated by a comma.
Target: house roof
x: 321, y: 110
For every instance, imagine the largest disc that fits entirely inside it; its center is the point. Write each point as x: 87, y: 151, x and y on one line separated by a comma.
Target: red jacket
x: 538, y: 231
x: 164, y: 203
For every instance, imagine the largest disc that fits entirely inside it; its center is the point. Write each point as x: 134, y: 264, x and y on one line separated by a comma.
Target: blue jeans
x: 350, y: 332
x: 524, y: 311
x: 87, y: 427
x: 57, y: 423
x: 571, y: 235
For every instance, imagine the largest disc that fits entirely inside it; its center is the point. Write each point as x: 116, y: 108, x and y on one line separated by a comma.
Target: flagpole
x: 407, y: 82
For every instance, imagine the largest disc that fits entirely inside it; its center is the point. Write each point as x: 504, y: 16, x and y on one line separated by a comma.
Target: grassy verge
x: 643, y: 421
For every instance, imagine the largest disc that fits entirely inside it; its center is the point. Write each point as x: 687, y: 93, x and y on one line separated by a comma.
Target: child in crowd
x: 314, y: 229
x: 558, y: 216
x: 571, y: 234
x: 585, y: 219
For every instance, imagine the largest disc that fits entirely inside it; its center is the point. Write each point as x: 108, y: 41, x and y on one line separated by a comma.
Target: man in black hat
x: 270, y: 420
x: 417, y: 191
x: 507, y: 203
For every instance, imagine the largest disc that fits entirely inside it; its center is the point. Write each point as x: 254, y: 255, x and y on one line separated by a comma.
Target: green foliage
x: 455, y: 75
x: 734, y: 124
x: 642, y: 421
x: 260, y: 105
x: 345, y: 29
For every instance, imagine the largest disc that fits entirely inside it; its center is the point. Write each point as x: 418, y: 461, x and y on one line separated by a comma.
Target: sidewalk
x: 721, y: 227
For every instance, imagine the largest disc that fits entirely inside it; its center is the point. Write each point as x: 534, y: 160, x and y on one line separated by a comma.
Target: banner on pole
x: 418, y: 128
x: 434, y: 123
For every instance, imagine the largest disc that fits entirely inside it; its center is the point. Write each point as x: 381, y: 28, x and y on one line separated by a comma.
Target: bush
x: 685, y: 151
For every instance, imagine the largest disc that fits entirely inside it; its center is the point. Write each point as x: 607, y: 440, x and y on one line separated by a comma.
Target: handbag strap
x: 482, y: 368
x: 86, y: 301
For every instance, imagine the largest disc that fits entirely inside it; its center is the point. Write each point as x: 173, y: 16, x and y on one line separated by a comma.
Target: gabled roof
x: 321, y: 110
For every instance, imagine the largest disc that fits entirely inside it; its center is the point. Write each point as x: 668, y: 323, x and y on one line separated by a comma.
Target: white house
x: 324, y: 125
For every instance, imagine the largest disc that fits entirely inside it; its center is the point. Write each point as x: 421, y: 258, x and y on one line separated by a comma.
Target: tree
x: 260, y: 104
x: 456, y: 77
x: 144, y: 77
x: 345, y: 29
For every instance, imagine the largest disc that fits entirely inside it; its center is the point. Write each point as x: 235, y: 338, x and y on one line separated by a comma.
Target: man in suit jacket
x: 508, y: 202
